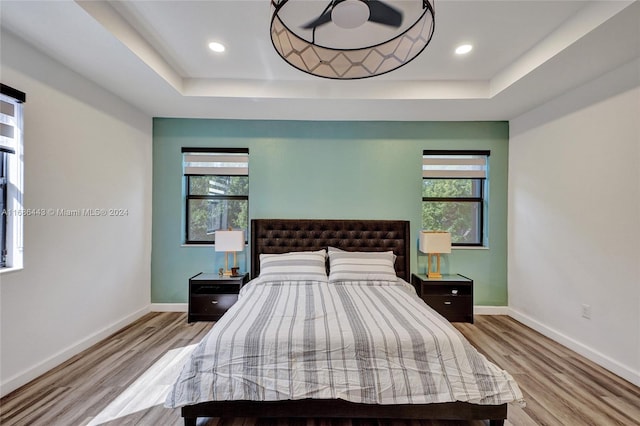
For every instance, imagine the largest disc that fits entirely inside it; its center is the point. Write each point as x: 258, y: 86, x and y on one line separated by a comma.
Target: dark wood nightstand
x: 451, y: 295
x: 210, y: 295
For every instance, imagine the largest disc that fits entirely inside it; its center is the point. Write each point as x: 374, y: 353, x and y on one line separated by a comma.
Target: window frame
x: 479, y: 187
x: 12, y: 148
x: 3, y: 208
x: 188, y: 196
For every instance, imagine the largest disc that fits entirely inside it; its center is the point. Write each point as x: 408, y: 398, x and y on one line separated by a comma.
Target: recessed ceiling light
x: 216, y: 47
x: 463, y: 49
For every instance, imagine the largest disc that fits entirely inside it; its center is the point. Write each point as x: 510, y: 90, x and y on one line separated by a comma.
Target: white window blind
x: 454, y: 166
x: 216, y: 163
x: 10, y: 123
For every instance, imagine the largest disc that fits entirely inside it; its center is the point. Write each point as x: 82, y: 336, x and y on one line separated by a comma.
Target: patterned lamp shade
x: 334, y: 40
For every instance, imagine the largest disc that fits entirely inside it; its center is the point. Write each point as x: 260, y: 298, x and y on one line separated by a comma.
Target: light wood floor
x: 121, y: 381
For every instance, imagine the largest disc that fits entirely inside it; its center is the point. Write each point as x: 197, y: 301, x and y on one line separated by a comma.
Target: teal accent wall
x: 326, y: 170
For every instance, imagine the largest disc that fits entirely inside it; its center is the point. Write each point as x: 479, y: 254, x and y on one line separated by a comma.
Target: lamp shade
x: 229, y: 241
x: 435, y: 242
x: 349, y: 39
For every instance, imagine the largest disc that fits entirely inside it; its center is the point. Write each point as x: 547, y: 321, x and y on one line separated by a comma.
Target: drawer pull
x: 454, y: 292
x: 447, y: 303
x: 215, y: 302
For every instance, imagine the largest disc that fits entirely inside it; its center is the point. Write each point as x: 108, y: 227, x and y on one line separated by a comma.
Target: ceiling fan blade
x: 324, y: 18
x: 320, y: 20
x: 382, y: 13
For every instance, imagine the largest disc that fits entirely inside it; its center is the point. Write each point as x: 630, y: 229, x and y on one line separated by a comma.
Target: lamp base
x: 229, y: 272
x: 430, y: 272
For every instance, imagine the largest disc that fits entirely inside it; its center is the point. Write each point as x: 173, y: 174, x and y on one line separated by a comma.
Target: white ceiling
x: 154, y: 55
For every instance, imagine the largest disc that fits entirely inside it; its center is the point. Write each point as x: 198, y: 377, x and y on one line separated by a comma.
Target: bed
x: 348, y: 343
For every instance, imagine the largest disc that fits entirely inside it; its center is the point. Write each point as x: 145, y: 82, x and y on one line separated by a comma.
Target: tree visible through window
x: 217, y: 192
x: 453, y: 194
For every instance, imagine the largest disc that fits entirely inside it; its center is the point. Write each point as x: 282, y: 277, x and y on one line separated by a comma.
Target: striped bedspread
x: 365, y: 342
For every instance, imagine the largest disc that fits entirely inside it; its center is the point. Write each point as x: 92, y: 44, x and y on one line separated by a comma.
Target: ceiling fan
x: 353, y: 13
x: 351, y: 55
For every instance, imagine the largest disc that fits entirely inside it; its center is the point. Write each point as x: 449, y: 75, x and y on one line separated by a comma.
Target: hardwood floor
x: 123, y: 380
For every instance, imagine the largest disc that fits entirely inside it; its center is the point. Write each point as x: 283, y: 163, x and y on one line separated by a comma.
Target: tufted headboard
x: 274, y: 236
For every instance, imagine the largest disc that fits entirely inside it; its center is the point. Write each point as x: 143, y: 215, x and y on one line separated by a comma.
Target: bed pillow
x: 294, y: 266
x: 330, y: 249
x: 361, y: 266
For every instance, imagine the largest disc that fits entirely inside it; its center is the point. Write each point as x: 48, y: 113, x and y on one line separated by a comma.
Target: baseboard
x: 604, y: 361
x: 491, y: 310
x: 169, y: 307
x: 26, y: 376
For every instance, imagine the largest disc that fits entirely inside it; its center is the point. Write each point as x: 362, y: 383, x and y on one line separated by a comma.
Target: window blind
x: 10, y: 117
x: 217, y: 163
x: 461, y: 165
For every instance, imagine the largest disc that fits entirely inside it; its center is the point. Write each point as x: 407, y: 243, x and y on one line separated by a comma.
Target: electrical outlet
x: 586, y: 311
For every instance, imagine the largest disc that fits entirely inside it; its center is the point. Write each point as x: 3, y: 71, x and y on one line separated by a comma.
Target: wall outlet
x: 586, y: 311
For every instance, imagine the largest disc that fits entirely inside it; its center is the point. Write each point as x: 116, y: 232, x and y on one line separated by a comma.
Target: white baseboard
x: 169, y: 307
x: 491, y: 310
x: 604, y: 361
x: 37, y: 370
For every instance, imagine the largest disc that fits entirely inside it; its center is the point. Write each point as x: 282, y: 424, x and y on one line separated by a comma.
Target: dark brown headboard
x: 274, y: 236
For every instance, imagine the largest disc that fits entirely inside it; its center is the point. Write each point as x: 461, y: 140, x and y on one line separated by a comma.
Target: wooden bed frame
x: 287, y: 235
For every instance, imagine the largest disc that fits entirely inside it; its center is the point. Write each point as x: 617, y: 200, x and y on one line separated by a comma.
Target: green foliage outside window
x: 453, y: 205
x: 219, y: 202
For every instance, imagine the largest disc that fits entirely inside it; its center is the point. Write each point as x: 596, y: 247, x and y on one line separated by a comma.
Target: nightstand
x: 210, y: 295
x: 451, y: 295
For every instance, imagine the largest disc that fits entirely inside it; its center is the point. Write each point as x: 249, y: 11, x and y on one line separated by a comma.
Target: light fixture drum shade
x: 303, y: 51
x: 229, y: 241
x: 435, y: 242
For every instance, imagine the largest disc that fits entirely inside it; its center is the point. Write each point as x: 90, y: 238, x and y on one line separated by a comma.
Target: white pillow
x: 330, y: 249
x: 294, y: 266
x: 361, y: 266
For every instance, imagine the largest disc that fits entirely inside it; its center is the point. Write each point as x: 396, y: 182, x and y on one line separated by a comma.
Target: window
x: 3, y: 209
x: 217, y: 192
x: 11, y: 146
x: 454, y: 194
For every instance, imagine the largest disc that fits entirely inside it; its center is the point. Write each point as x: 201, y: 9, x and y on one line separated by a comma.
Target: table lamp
x: 434, y: 243
x: 229, y: 241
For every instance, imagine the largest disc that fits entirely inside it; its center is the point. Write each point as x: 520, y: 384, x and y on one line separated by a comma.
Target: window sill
x: 204, y: 245
x: 10, y: 269
x: 470, y: 248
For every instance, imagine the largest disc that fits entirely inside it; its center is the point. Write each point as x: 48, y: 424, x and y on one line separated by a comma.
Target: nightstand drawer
x: 447, y: 290
x: 212, y: 304
x: 201, y: 289
x: 454, y: 308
